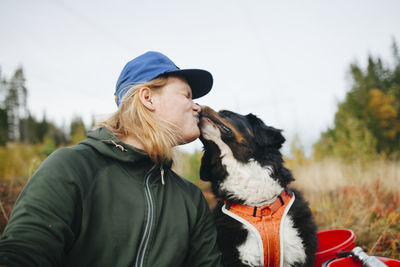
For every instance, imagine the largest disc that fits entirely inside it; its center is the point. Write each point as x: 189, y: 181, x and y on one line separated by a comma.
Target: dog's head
x: 243, y: 138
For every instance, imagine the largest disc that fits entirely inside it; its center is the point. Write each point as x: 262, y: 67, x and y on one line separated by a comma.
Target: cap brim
x: 200, y: 81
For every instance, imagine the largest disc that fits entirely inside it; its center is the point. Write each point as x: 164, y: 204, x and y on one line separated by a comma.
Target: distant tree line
x: 17, y: 124
x: 367, y: 121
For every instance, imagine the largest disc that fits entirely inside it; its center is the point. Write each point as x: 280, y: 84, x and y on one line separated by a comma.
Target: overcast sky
x: 285, y: 61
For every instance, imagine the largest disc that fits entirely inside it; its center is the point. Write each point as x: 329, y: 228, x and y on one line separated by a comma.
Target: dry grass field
x: 363, y: 197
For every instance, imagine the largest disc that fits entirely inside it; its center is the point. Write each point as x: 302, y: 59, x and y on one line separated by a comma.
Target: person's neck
x: 130, y: 140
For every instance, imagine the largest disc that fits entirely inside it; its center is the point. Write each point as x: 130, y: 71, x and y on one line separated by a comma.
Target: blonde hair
x: 132, y: 118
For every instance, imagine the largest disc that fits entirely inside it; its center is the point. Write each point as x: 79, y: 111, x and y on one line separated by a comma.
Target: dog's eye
x: 225, y: 130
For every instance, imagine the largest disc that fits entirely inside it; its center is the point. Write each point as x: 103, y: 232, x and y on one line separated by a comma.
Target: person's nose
x: 196, y: 107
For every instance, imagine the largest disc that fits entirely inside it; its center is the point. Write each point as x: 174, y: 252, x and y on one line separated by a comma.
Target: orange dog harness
x: 266, y: 219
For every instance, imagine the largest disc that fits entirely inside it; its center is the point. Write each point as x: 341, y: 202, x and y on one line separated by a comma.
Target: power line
x: 249, y: 20
x: 108, y: 34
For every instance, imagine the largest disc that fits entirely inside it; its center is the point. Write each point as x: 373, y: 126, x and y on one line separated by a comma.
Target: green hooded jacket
x: 104, y: 203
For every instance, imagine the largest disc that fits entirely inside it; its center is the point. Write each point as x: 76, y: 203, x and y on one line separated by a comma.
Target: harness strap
x: 266, y: 219
x: 264, y: 210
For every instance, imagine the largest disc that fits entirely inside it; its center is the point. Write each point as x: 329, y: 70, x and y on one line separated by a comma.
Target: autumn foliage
x: 367, y: 122
x: 363, y: 197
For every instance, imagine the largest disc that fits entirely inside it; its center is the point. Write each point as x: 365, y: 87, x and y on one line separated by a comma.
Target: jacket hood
x: 109, y: 145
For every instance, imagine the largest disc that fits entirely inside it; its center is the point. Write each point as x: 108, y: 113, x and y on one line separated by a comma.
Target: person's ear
x: 146, y: 97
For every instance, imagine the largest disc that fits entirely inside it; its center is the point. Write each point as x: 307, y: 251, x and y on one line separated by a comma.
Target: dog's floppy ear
x: 265, y: 135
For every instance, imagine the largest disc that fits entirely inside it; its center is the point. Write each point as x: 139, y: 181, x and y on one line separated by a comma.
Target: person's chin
x: 191, y: 138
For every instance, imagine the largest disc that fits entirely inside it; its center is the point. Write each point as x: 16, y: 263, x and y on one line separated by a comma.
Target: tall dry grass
x: 363, y: 197
x: 19, y: 161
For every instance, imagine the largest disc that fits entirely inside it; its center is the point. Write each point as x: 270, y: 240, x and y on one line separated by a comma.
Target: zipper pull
x: 162, y: 176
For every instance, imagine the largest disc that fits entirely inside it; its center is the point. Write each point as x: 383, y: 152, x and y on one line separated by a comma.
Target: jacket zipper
x: 146, y: 235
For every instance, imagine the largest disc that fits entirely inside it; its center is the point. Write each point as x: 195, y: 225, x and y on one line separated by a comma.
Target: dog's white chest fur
x: 253, y: 183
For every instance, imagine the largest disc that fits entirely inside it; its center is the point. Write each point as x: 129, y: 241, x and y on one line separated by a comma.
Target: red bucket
x: 330, y: 242
x: 349, y: 262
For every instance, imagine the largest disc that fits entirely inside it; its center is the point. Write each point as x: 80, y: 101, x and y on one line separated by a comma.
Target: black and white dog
x: 243, y: 163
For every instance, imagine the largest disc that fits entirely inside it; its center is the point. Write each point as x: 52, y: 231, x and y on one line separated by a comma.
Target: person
x: 113, y: 200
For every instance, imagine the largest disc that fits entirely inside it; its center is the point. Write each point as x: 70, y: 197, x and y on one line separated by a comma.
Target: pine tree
x: 16, y: 103
x: 367, y: 121
x: 3, y: 112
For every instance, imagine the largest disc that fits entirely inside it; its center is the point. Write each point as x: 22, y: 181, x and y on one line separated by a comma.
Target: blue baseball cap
x: 151, y: 65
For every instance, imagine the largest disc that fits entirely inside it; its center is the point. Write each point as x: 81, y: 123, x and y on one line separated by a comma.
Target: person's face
x: 174, y: 103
